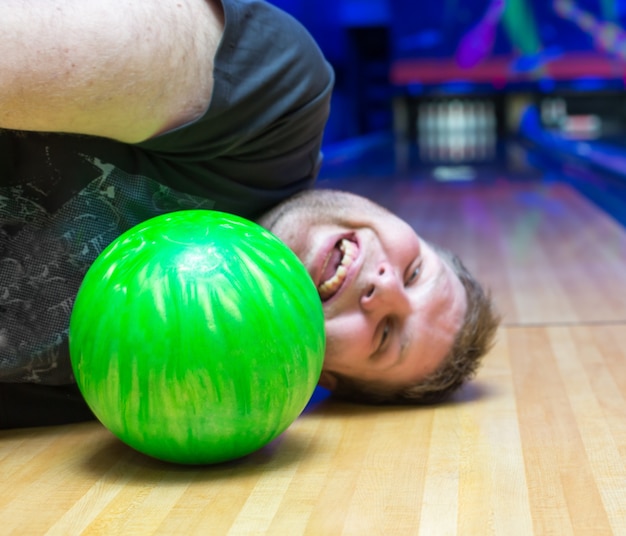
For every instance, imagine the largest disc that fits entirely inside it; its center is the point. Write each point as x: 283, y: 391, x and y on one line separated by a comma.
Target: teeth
x: 330, y: 286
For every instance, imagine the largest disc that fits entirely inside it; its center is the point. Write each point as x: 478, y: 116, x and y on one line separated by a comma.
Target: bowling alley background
x: 454, y: 78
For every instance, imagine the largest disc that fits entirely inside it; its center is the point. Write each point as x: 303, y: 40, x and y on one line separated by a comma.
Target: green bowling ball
x: 197, y: 337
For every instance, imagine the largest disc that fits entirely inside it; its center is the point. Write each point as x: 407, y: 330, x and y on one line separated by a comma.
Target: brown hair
x: 473, y: 340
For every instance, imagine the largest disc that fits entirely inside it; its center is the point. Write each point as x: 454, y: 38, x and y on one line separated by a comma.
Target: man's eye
x: 385, y: 335
x: 414, y: 276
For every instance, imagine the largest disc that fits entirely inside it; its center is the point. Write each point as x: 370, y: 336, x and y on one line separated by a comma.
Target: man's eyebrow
x: 438, y: 279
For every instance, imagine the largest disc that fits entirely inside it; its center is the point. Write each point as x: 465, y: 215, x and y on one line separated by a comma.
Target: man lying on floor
x: 114, y: 112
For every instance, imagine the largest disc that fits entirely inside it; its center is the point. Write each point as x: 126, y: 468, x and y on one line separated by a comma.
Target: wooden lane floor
x: 536, y: 444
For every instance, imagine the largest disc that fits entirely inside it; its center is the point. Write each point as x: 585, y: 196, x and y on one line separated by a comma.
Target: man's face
x: 391, y: 305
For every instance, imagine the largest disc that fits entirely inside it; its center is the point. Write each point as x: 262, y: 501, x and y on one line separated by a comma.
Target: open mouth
x: 336, y: 268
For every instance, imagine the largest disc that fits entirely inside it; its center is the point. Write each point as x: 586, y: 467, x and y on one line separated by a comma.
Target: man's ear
x: 327, y: 381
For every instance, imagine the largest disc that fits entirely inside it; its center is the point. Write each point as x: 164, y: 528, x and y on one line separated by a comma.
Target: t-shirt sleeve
x: 264, y: 125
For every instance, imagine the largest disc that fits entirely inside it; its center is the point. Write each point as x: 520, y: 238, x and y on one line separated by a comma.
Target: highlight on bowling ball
x: 197, y: 337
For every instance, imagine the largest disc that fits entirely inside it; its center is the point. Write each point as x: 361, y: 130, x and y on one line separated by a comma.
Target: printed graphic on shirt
x: 45, y: 252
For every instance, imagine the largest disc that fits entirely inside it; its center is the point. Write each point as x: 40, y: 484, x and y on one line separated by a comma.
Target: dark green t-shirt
x: 63, y: 198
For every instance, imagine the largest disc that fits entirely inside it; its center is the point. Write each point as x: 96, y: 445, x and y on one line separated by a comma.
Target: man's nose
x: 384, y: 291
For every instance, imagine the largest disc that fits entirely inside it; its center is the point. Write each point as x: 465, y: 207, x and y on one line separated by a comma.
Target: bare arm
x: 124, y: 69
